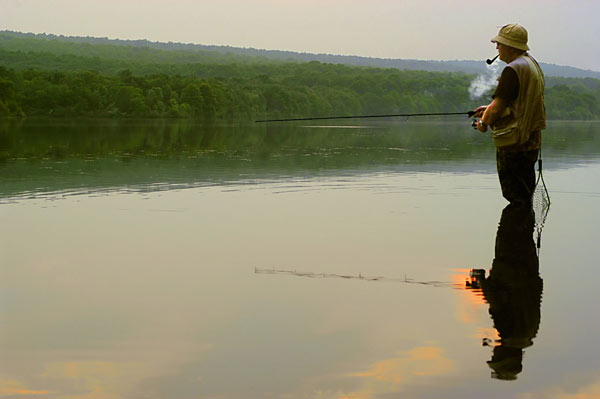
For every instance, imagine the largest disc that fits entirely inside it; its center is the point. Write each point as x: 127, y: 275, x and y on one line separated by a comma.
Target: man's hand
x: 479, y: 111
x: 482, y: 127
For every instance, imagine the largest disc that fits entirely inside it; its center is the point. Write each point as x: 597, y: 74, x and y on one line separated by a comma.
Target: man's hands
x: 478, y: 113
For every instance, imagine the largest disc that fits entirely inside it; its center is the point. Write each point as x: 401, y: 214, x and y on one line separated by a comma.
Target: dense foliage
x: 576, y: 101
x: 79, y: 79
x: 289, y: 90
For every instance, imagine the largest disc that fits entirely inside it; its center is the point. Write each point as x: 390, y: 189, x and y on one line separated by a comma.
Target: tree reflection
x: 513, y: 291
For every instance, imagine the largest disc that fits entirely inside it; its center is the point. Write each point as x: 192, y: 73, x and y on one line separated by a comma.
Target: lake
x: 162, y: 259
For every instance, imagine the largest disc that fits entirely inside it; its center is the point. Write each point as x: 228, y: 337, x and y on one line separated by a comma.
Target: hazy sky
x: 561, y: 32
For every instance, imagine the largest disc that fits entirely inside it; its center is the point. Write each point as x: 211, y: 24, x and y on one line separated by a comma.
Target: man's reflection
x: 513, y: 290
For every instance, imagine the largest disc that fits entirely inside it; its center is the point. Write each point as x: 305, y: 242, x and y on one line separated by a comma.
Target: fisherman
x: 516, y: 115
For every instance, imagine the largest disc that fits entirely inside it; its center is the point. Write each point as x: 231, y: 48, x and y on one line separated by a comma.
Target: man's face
x: 501, y: 51
x: 504, y: 52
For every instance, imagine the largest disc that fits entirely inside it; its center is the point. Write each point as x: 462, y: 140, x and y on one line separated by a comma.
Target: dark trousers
x: 516, y: 171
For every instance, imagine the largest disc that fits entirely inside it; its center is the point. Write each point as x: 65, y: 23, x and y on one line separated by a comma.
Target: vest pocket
x: 505, y: 131
x: 505, y: 137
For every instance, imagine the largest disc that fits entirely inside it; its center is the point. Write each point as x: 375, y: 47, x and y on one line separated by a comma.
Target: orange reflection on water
x: 471, y: 300
x: 472, y: 307
x: 389, y: 375
x: 15, y: 388
x: 589, y: 391
x: 90, y: 379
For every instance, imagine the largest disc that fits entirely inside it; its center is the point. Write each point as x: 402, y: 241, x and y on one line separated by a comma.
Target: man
x: 516, y: 115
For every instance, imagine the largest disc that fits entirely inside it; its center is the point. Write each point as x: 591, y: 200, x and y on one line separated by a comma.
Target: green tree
x: 130, y: 101
x: 155, y: 100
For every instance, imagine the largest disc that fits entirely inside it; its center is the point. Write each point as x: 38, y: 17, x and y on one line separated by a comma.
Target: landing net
x: 540, y: 202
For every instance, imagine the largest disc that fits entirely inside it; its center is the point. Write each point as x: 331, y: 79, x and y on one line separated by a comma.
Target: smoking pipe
x: 489, y: 62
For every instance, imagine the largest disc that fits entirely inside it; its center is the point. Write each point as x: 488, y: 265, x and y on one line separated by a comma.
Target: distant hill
x: 190, y: 52
x: 466, y: 66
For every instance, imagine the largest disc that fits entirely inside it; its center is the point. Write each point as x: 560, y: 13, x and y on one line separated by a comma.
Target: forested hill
x: 43, y: 75
x: 195, y: 52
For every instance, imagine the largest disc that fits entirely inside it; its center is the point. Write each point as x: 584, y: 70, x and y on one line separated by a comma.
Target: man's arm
x: 492, y: 113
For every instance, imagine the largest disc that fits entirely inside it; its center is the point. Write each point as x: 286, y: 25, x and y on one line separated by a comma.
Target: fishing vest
x: 527, y: 114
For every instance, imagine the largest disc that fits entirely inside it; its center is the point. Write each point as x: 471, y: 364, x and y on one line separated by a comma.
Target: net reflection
x: 513, y: 291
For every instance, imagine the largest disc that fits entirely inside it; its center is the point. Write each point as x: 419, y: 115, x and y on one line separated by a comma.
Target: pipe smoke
x: 485, y: 82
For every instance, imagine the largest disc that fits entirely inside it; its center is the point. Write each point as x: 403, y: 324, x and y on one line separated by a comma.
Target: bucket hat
x: 512, y: 35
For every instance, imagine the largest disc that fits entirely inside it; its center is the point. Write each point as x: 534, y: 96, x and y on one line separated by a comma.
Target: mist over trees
x: 67, y: 78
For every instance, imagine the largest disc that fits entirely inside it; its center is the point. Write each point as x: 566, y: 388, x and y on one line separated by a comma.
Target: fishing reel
x: 474, y: 121
x: 476, y: 277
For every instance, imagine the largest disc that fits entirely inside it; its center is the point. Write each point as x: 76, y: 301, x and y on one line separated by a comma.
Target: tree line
x: 296, y: 90
x: 55, y: 78
x: 309, y: 89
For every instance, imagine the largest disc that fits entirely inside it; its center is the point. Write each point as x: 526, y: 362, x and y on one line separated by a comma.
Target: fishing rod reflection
x: 513, y: 291
x: 360, y: 276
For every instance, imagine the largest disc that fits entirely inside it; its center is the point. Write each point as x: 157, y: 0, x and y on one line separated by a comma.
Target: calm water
x: 166, y: 260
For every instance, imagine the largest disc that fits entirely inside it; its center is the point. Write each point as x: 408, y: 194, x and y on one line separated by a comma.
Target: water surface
x: 158, y: 259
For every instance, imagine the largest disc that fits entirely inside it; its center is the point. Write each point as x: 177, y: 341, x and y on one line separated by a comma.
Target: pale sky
x: 563, y: 32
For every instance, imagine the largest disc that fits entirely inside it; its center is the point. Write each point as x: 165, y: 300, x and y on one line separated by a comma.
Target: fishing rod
x: 468, y: 113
